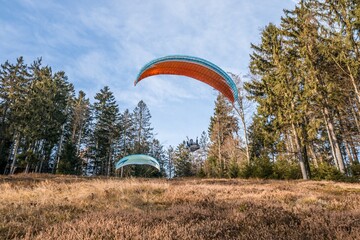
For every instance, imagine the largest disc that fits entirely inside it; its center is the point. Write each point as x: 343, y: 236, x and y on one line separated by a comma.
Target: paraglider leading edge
x: 193, y: 60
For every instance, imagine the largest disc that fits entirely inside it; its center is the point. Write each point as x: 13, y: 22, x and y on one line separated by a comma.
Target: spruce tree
x: 157, y: 151
x: 14, y: 83
x: 106, y: 131
x: 126, y: 143
x: 279, y: 89
x: 223, y: 128
x: 75, y: 132
x: 142, y: 137
x: 143, y: 134
x: 182, y: 161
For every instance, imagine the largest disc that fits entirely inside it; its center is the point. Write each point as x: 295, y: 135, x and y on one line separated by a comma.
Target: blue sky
x: 106, y: 42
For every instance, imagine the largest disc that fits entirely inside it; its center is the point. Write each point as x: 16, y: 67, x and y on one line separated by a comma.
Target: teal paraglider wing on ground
x: 138, y: 159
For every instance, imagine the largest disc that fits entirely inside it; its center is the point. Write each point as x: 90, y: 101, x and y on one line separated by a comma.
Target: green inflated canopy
x: 138, y: 159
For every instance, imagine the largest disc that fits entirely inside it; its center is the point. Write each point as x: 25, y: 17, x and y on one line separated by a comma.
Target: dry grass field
x: 60, y: 207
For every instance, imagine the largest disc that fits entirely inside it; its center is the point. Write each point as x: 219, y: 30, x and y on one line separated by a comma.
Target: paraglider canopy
x: 193, y: 67
x: 137, y: 159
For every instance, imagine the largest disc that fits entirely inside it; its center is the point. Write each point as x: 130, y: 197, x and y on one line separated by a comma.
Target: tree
x: 143, y: 134
x: 142, y: 139
x: 47, y: 111
x: 14, y: 82
x: 34, y: 102
x: 106, y: 131
x: 200, y: 155
x: 280, y: 89
x: 223, y: 128
x: 74, y: 133
x: 126, y: 144
x: 70, y: 162
x: 157, y: 152
x: 240, y: 109
x: 170, y: 169
x: 324, y: 91
x: 80, y: 120
x: 182, y: 161
x: 305, y: 82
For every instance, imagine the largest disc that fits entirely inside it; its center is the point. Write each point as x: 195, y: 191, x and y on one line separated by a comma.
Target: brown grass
x: 53, y: 207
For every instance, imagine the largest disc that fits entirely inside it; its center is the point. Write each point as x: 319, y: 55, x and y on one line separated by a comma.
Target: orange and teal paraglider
x: 192, y: 67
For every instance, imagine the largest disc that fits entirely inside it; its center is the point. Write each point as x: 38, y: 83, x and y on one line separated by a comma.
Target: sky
x: 106, y: 43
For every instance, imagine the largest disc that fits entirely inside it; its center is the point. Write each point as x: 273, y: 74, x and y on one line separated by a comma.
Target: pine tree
x: 49, y: 97
x: 34, y: 103
x: 70, y: 162
x: 80, y: 120
x: 143, y: 134
x: 182, y: 161
x: 157, y: 151
x: 240, y: 109
x: 223, y: 128
x: 106, y: 131
x: 279, y: 89
x: 324, y: 91
x: 200, y: 155
x: 126, y: 144
x: 341, y: 50
x: 170, y: 156
x: 75, y: 132
x: 305, y: 83
x: 14, y: 83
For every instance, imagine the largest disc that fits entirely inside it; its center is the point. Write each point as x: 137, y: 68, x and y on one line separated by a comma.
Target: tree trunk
x: 109, y: 160
x: 348, y: 153
x: 344, y: 131
x: 27, y: 168
x: 14, y: 154
x: 219, y: 153
x: 354, y: 152
x: 300, y: 153
x: 355, y: 115
x: 306, y: 161
x: 41, y: 163
x: 332, y: 137
x: 58, y: 153
x: 331, y: 143
x: 312, y: 152
x: 45, y: 155
x: 288, y: 144
x: 354, y: 84
x: 242, y: 118
x: 2, y: 130
x: 79, y: 142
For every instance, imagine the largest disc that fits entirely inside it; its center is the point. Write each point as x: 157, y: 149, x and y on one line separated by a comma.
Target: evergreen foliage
x: 106, y: 131
x: 70, y: 162
x: 182, y: 161
x: 223, y: 133
x: 305, y: 83
x: 46, y: 128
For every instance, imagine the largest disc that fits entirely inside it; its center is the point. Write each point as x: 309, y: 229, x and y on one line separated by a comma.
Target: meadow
x: 66, y: 207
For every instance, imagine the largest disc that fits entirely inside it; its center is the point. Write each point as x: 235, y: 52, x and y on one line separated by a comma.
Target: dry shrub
x: 40, y: 207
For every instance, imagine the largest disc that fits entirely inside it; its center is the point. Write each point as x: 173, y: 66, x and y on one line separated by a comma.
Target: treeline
x: 46, y: 127
x: 305, y: 79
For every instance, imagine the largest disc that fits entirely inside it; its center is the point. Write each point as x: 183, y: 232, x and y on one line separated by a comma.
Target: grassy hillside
x: 53, y: 207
